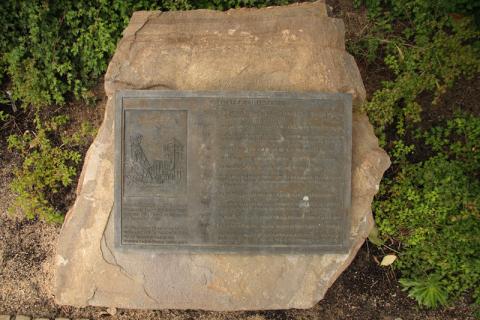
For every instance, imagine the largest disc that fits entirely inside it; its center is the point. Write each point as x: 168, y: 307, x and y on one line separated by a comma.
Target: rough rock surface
x: 293, y: 48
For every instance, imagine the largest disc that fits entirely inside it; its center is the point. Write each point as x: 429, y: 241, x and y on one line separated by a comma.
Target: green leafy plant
x: 428, y: 292
x: 428, y: 51
x: 48, y: 167
x: 432, y: 208
x: 3, y: 116
x: 432, y: 64
x: 428, y: 204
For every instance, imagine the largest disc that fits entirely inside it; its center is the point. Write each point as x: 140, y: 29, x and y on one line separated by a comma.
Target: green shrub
x: 52, y: 49
x: 48, y: 167
x: 428, y: 204
x: 426, y: 50
x: 432, y: 208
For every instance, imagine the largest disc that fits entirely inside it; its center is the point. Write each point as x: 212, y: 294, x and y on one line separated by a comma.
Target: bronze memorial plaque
x: 232, y: 172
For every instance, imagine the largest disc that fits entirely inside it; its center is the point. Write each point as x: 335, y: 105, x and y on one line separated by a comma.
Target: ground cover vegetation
x: 427, y: 210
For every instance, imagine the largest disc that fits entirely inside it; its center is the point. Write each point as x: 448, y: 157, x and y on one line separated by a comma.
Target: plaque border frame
x: 119, y: 126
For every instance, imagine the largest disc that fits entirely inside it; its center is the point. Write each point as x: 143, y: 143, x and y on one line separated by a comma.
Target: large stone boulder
x: 293, y: 48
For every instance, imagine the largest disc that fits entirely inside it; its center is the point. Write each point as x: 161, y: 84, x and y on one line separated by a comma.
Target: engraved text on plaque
x: 229, y: 172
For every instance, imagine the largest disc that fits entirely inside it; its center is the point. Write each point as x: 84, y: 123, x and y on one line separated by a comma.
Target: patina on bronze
x: 232, y: 172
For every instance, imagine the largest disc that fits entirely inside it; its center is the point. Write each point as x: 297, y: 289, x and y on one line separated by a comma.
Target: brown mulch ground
x: 363, y: 291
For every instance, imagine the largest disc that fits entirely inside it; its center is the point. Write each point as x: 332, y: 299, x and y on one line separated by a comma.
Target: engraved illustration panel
x: 155, y: 174
x: 155, y: 151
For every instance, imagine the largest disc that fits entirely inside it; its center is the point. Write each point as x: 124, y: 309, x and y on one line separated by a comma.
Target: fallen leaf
x: 388, y: 260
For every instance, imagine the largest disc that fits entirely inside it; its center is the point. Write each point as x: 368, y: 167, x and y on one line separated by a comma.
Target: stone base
x: 292, y: 48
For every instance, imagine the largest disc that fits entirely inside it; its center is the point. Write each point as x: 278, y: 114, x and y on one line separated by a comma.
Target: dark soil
x: 364, y: 291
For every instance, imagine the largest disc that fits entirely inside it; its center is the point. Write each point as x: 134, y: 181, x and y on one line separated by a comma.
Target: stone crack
x: 146, y: 292
x: 115, y: 262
